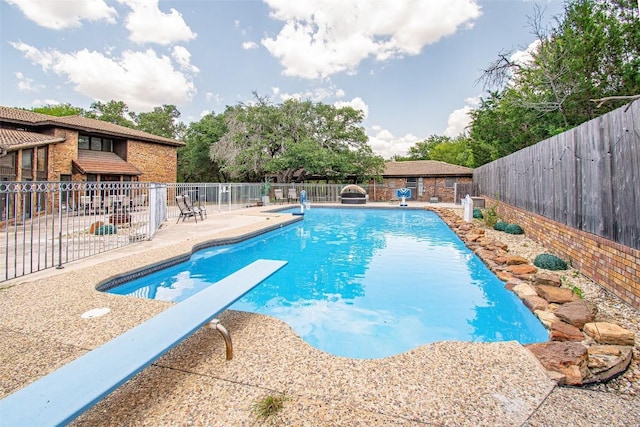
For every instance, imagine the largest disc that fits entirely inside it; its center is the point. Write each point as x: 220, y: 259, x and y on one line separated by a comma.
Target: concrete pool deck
x: 448, y: 383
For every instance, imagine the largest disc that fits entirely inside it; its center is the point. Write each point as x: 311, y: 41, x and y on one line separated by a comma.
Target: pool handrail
x: 63, y: 395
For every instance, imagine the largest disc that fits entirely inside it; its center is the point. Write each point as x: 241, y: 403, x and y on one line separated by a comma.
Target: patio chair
x: 199, y: 209
x: 138, y: 201
x: 185, y: 211
x: 292, y: 195
x: 279, y: 195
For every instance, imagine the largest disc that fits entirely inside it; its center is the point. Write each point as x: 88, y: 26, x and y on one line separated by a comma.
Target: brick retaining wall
x: 614, y: 266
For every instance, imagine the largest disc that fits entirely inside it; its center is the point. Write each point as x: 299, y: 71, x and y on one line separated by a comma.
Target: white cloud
x: 459, y: 119
x: 323, y: 37
x: 183, y: 57
x: 249, y: 45
x: 387, y: 145
x: 58, y: 15
x: 523, y: 57
x: 316, y: 95
x: 148, y: 24
x: 26, y: 84
x: 43, y: 102
x: 142, y: 80
x: 356, y: 103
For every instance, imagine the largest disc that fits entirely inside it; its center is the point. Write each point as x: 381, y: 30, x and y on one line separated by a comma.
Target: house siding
x: 61, y: 155
x: 159, y: 163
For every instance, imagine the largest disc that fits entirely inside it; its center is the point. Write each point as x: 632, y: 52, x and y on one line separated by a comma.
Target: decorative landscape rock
x: 549, y: 279
x: 546, y: 317
x: 516, y: 260
x: 524, y: 290
x: 534, y: 302
x: 561, y: 331
x: 522, y: 269
x: 576, y: 313
x: 609, y: 333
x: 553, y: 294
x: 607, y: 361
x: 568, y: 358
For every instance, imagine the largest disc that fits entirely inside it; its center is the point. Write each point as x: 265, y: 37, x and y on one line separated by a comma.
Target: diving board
x: 58, y: 398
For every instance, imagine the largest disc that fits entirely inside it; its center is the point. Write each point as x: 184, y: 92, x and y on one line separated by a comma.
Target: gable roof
x: 18, y: 116
x: 424, y: 168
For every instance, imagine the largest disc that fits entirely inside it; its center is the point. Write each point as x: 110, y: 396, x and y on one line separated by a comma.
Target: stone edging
x: 580, y: 350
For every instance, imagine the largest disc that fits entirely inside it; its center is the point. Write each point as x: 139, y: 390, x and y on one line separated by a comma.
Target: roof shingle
x: 102, y: 162
x: 424, y: 168
x: 14, y: 139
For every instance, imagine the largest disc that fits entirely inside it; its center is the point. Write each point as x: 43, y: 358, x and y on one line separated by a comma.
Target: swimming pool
x: 362, y: 283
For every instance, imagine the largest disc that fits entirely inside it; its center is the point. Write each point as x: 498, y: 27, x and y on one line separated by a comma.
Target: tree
x: 422, y: 149
x: 592, y: 53
x: 162, y: 121
x: 116, y: 112
x: 59, y: 110
x: 194, y: 162
x: 294, y: 140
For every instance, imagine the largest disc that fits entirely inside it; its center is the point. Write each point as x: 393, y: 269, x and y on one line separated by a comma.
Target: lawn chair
x: 279, y: 195
x: 292, y: 195
x: 199, y: 209
x: 185, y: 211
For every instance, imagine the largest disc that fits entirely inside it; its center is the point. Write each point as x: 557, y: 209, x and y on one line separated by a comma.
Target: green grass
x: 268, y: 407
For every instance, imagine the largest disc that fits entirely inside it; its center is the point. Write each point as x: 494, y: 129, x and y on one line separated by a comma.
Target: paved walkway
x: 449, y: 383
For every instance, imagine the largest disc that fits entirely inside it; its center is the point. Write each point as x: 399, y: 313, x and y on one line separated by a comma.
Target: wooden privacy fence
x: 587, y: 178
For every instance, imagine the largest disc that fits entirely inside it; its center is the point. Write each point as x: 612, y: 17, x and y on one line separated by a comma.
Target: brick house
x: 40, y: 147
x: 427, y: 179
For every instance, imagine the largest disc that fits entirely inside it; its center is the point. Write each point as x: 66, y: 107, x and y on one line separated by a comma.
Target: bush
x: 549, y: 262
x: 106, y: 229
x: 477, y: 213
x: 500, y: 226
x: 491, y: 215
x: 513, y: 229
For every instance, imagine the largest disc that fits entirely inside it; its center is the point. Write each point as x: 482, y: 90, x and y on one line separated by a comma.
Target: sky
x: 411, y: 66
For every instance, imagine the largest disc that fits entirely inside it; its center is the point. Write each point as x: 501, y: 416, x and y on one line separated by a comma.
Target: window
x: 27, y: 156
x: 83, y: 142
x: 95, y: 143
x: 42, y: 159
x: 107, y: 144
x: 412, y: 182
x: 449, y: 182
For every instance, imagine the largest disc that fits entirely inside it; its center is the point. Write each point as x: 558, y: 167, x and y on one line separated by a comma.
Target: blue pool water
x: 362, y: 283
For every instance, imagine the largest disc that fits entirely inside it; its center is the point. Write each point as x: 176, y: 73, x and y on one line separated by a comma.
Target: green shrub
x: 500, y: 226
x: 549, y: 262
x: 477, y: 213
x: 106, y: 229
x: 491, y: 215
x: 513, y: 229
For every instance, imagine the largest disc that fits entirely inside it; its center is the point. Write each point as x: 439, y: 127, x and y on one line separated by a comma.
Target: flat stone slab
x: 554, y: 294
x: 609, y: 333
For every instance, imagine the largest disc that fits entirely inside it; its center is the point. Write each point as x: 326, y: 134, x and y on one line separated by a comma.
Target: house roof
x: 18, y: 116
x: 102, y: 162
x: 14, y: 139
x: 424, y: 168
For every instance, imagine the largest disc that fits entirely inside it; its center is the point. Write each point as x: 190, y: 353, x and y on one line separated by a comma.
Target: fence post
x: 59, y: 228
